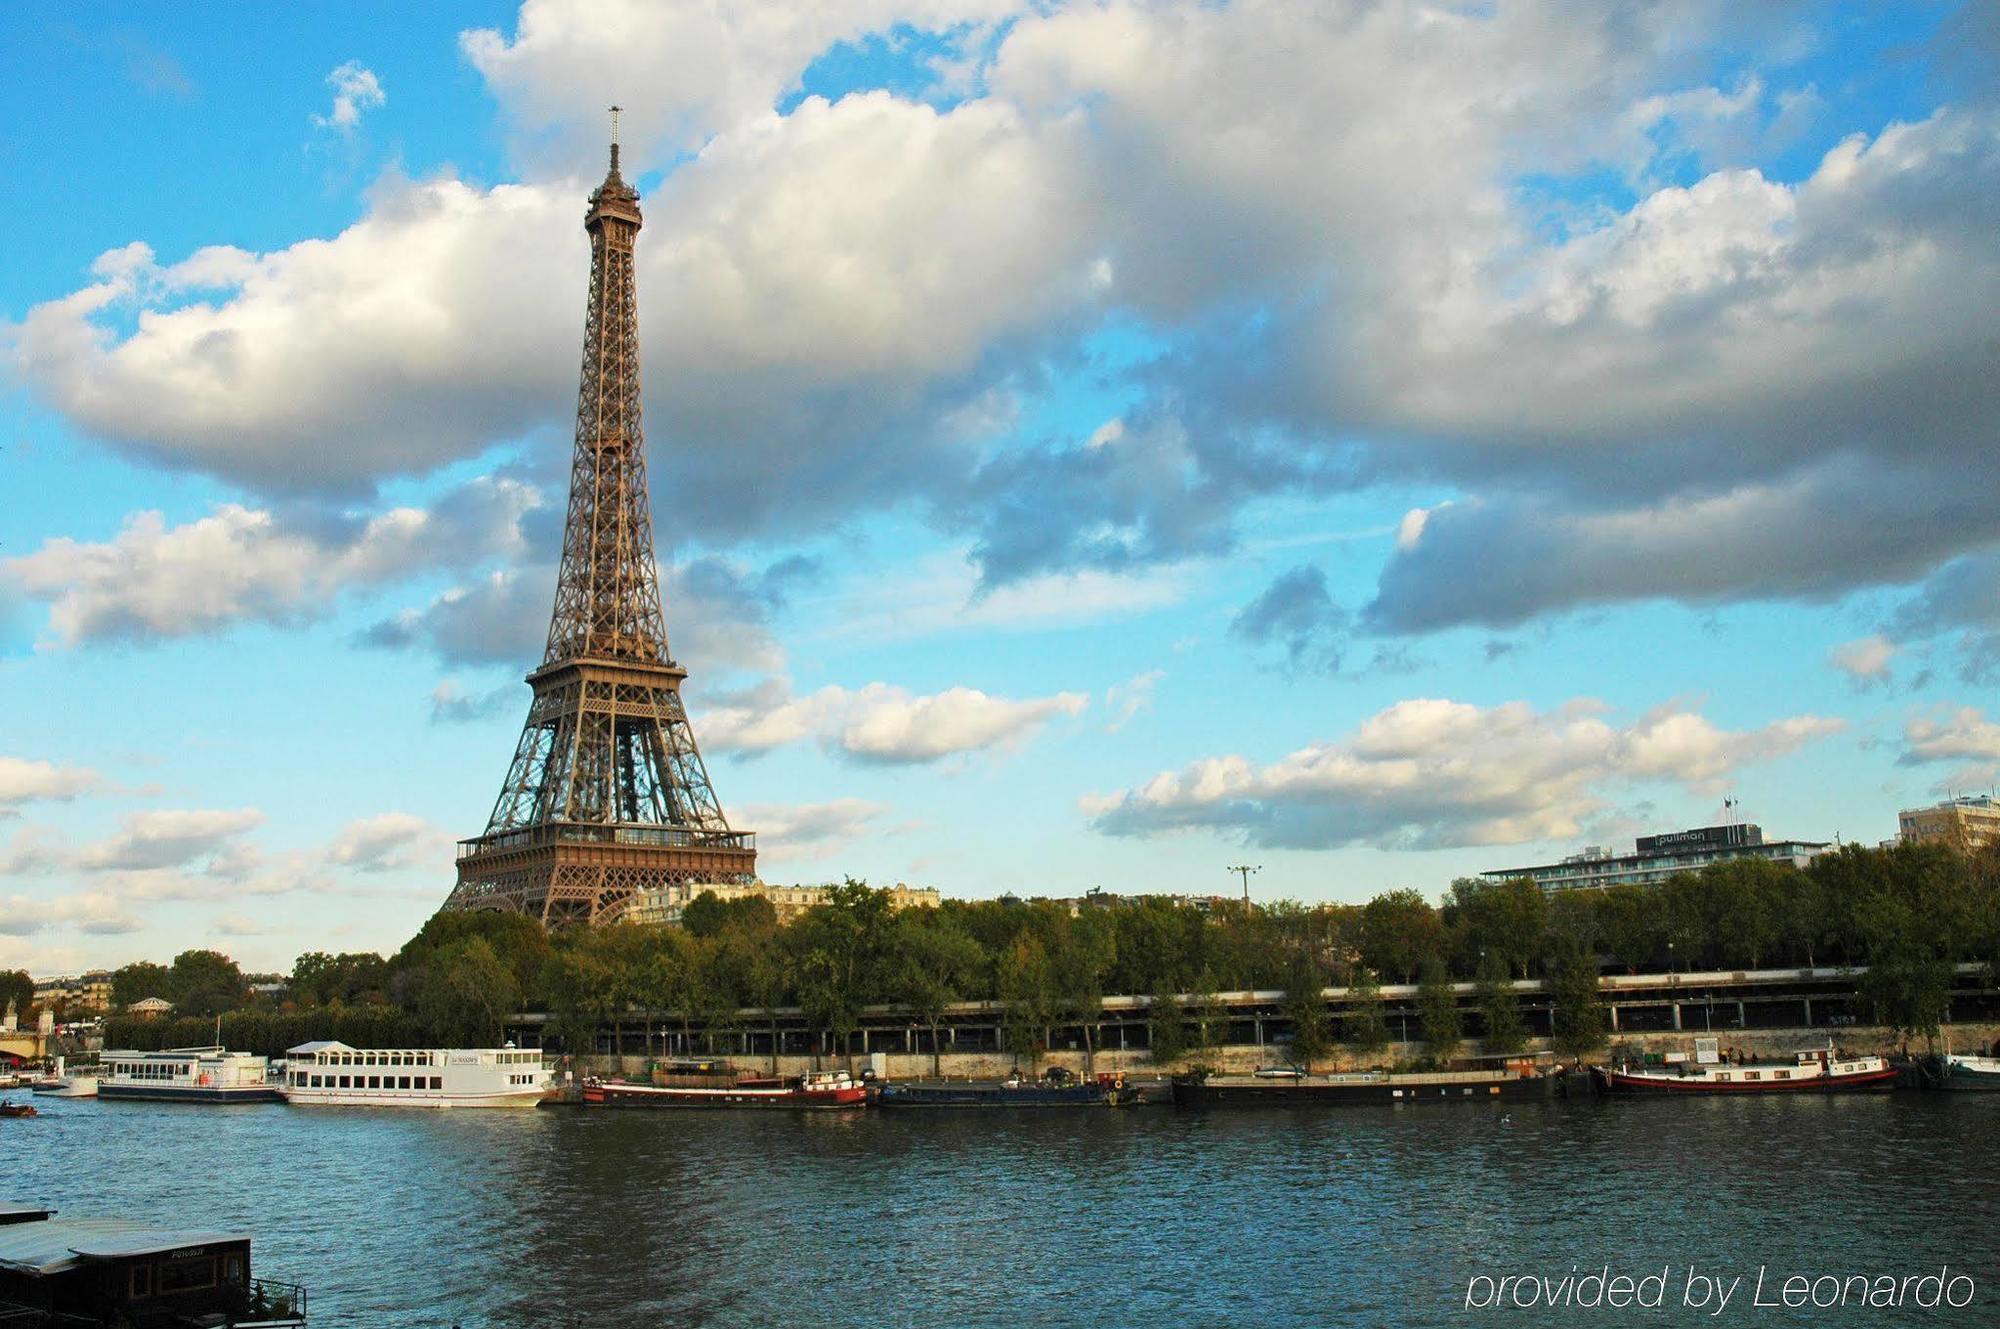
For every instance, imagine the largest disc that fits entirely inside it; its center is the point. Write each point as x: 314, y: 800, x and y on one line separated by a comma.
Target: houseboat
x: 187, y: 1075
x: 1814, y: 1071
x: 717, y: 1084
x: 1264, y: 1089
x: 107, y: 1271
x: 332, y: 1074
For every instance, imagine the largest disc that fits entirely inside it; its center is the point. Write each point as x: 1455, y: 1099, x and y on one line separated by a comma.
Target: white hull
x: 410, y: 1098
x: 77, y: 1086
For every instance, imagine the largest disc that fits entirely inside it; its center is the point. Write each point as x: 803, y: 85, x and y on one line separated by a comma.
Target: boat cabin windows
x: 185, y: 1275
x: 142, y: 1281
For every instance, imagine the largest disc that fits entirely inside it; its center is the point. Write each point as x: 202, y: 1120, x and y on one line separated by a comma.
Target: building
x: 90, y: 991
x: 1657, y: 857
x: 665, y: 904
x: 1966, y: 824
x: 151, y: 1006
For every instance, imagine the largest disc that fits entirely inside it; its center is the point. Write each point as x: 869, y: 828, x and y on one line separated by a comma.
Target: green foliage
x: 1028, y: 998
x: 466, y: 994
x: 1578, y: 1009
x: 138, y: 981
x: 1437, y: 1013
x: 1166, y: 1028
x: 17, y: 988
x: 1363, y: 1027
x: 1399, y: 931
x: 319, y: 979
x: 1499, y: 1009
x: 205, y: 983
x: 1305, y: 1008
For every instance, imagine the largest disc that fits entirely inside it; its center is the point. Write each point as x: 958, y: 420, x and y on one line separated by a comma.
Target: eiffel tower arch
x: 607, y: 794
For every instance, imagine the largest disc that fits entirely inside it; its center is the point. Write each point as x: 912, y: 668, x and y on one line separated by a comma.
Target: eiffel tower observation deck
x: 607, y: 794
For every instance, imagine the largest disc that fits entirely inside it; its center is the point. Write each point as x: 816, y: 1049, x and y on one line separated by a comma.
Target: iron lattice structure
x: 607, y: 794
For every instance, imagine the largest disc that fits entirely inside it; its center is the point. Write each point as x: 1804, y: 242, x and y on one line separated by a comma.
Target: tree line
x: 1909, y: 913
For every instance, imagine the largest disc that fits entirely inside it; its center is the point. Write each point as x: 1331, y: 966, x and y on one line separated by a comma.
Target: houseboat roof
x: 16, y: 1213
x: 57, y: 1245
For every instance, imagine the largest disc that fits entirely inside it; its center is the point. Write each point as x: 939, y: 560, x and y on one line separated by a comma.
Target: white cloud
x: 243, y: 564
x: 1963, y: 734
x: 877, y: 724
x: 389, y: 841
x: 1433, y: 773
x: 1865, y: 659
x: 168, y: 839
x: 355, y: 89
x: 1126, y: 700
x: 93, y: 913
x: 685, y: 70
x: 788, y: 832
x: 23, y: 781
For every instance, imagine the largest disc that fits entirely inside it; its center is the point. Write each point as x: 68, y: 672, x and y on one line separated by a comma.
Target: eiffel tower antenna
x: 607, y: 794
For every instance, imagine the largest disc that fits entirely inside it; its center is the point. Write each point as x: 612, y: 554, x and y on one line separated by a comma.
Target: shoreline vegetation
x: 1909, y: 914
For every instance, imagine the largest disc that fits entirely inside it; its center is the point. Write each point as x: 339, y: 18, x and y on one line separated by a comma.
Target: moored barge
x: 1049, y: 1092
x: 1360, y: 1087
x: 1816, y: 1071
x: 717, y: 1084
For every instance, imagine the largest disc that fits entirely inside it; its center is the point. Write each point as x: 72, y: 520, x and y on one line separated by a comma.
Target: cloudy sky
x: 1092, y: 444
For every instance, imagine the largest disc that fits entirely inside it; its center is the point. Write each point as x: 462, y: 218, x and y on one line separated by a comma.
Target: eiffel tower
x: 607, y: 795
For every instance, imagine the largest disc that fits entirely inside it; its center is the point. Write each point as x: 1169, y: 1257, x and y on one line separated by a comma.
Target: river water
x: 1299, y: 1217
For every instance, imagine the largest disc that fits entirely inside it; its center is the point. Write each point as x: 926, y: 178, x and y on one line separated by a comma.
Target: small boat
x: 332, y: 1074
x: 1203, y: 1089
x: 16, y: 1109
x: 1816, y: 1071
x: 61, y: 1082
x: 717, y: 1084
x: 1959, y: 1071
x: 1108, y: 1090
x: 188, y: 1075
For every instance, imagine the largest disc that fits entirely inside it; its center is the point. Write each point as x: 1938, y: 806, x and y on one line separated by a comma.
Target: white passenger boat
x: 332, y: 1074
x: 187, y: 1075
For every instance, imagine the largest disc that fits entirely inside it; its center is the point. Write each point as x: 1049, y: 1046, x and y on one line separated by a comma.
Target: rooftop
x: 57, y: 1245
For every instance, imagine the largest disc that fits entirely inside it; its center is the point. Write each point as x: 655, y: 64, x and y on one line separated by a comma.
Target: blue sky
x: 1092, y: 445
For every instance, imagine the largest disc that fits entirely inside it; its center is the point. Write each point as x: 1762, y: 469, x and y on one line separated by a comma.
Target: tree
x: 1399, y: 931
x: 839, y: 946
x: 1363, y: 1027
x: 1207, y: 1014
x: 1086, y: 948
x: 466, y: 995
x: 1578, y: 1023
x: 138, y: 981
x: 1499, y: 1009
x: 1437, y: 1014
x: 1305, y: 1008
x: 17, y: 989
x: 1166, y: 1028
x: 1028, y: 999
x: 1503, y: 918
x: 935, y: 965
x: 204, y: 983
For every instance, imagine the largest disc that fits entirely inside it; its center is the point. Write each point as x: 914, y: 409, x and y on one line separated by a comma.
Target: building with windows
x: 666, y: 904
x: 1966, y: 824
x: 90, y: 991
x: 1657, y: 857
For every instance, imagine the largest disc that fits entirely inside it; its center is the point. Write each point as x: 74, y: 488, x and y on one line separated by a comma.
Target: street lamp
x: 1244, y: 870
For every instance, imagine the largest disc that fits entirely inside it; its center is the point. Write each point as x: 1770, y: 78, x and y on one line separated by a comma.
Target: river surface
x: 1306, y: 1217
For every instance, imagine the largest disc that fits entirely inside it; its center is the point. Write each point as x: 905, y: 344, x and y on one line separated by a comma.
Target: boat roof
x: 58, y: 1245
x: 318, y: 1045
x: 10, y: 1210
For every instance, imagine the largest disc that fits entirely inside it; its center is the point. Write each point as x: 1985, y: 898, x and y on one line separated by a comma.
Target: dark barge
x: 1361, y: 1087
x: 1049, y: 1092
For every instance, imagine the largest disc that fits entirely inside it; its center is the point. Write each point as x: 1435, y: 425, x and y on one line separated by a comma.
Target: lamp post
x: 1244, y: 870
